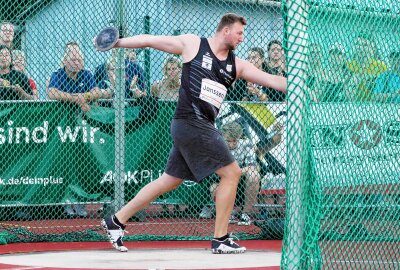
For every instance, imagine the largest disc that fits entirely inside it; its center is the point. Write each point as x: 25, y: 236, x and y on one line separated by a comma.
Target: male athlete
x: 209, y: 68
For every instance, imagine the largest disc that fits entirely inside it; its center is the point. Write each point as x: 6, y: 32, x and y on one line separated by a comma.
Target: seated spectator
x: 275, y: 65
x: 131, y: 57
x: 270, y: 141
x: 245, y: 155
x: 135, y: 78
x: 135, y: 84
x: 245, y: 91
x: 19, y: 64
x: 168, y: 87
x: 387, y: 85
x: 335, y: 79
x: 7, y: 32
x: 14, y: 84
x: 72, y: 83
x: 365, y: 67
x: 109, y: 80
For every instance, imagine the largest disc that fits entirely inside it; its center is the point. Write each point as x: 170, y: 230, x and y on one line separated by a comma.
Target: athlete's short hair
x: 229, y: 19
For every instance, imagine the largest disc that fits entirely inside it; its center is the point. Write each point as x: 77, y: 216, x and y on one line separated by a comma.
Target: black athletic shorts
x: 199, y: 150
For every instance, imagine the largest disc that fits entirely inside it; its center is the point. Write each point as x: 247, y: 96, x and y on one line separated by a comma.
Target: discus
x: 106, y: 39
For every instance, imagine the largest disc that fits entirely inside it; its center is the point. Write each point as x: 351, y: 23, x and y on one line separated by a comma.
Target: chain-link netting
x: 82, y: 131
x: 343, y: 135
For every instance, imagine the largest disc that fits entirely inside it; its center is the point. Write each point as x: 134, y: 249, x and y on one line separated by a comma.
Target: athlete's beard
x: 231, y: 47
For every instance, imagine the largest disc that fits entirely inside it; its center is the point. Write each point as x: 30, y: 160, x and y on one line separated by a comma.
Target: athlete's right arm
x: 181, y: 44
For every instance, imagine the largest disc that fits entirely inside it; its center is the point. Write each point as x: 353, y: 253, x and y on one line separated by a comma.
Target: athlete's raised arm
x: 248, y: 72
x: 182, y: 44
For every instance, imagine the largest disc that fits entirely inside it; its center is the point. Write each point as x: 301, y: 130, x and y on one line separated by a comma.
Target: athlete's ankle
x: 116, y: 221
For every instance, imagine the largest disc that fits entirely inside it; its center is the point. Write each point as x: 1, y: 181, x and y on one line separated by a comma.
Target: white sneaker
x: 114, y: 233
x: 228, y: 246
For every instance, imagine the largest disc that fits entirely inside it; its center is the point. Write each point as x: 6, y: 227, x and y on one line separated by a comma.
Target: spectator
x: 135, y: 85
x: 271, y: 140
x: 72, y: 45
x: 134, y: 75
x: 72, y: 83
x: 19, y: 64
x: 14, y: 84
x: 365, y: 66
x: 245, y: 155
x: 245, y: 91
x: 168, y: 87
x: 7, y: 34
x: 387, y: 86
x: 335, y: 78
x: 109, y: 80
x: 275, y: 64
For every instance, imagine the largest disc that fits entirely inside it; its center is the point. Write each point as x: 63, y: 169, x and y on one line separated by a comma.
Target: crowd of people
x: 362, y: 77
x: 14, y: 81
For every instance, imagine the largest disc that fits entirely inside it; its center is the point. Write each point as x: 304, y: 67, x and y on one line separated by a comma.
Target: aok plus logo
x: 364, y: 134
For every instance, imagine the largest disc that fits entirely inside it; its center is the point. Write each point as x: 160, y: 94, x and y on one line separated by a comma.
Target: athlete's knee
x: 168, y: 183
x: 176, y: 184
x: 231, y: 171
x: 236, y: 172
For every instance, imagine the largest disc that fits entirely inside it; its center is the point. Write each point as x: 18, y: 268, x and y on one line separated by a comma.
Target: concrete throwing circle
x: 145, y: 259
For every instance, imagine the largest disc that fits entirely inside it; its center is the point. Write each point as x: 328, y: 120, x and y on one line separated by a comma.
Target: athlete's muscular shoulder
x: 191, y: 44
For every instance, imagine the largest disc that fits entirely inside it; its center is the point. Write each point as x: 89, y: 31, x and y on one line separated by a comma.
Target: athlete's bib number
x: 212, y: 92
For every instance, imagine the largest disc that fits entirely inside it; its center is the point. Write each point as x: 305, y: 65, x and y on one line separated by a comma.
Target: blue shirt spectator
x: 387, y: 85
x: 84, y: 81
x: 72, y: 83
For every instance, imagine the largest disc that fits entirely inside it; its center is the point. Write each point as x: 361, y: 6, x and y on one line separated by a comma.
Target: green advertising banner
x: 355, y: 144
x: 51, y: 152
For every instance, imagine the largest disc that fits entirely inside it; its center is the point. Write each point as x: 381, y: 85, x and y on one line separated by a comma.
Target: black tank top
x: 205, y: 81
